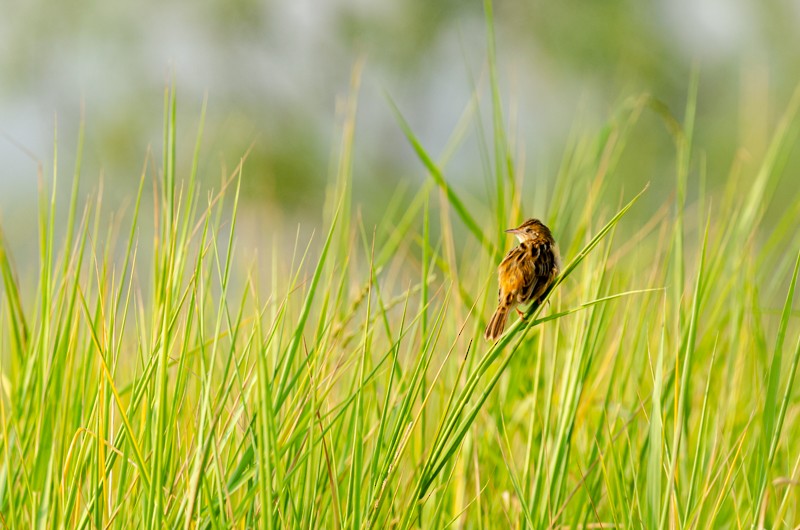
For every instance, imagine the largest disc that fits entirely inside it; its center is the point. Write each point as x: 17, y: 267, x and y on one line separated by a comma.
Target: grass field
x: 154, y: 379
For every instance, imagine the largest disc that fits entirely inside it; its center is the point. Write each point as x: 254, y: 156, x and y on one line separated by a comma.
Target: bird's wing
x: 540, y: 271
x: 526, y: 271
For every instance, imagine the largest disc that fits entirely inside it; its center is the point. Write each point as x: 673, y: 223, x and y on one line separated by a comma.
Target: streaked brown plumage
x: 525, y: 273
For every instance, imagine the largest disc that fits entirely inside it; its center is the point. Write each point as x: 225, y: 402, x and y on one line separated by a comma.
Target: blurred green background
x: 273, y: 71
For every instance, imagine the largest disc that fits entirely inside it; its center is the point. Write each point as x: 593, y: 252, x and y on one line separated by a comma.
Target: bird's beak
x: 513, y: 231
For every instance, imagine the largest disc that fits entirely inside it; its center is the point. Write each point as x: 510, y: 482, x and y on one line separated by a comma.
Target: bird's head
x: 529, y: 230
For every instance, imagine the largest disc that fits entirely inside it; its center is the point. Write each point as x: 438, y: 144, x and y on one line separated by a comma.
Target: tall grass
x: 654, y: 389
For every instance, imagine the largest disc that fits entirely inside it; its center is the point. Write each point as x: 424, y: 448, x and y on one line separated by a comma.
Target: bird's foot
x: 520, y: 313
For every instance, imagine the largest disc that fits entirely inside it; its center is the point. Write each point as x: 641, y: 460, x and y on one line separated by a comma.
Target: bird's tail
x: 497, y: 323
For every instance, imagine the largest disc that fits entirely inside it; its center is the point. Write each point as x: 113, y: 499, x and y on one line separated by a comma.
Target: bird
x: 525, y: 274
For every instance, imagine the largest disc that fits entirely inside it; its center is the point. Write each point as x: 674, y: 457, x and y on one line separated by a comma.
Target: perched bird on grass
x: 525, y: 273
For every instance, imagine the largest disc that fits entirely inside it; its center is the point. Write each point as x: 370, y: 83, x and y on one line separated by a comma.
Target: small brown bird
x: 525, y: 273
